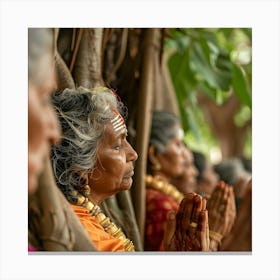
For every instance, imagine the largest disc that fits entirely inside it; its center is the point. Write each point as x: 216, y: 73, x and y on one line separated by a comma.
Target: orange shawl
x: 101, y: 239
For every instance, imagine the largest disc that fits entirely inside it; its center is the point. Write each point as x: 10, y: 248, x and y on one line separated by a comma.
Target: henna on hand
x: 192, y: 230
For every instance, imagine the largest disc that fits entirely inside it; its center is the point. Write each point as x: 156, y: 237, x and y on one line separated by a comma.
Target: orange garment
x: 100, y: 238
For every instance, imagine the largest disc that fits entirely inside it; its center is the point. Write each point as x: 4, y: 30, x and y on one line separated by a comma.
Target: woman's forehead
x: 117, y: 121
x: 110, y: 133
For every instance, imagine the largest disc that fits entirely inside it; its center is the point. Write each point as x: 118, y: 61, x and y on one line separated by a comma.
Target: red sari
x: 158, y: 206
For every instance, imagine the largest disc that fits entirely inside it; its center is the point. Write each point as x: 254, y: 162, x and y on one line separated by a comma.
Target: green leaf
x: 194, y: 127
x: 206, y: 90
x: 240, y: 87
x: 243, y: 115
x: 200, y: 56
x: 223, y: 62
x: 248, y: 32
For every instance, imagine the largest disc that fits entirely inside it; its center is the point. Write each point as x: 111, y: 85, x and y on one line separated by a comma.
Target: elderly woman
x: 232, y: 171
x: 94, y: 161
x: 52, y: 225
x: 43, y: 128
x: 172, y: 176
x: 167, y: 160
x: 186, y: 182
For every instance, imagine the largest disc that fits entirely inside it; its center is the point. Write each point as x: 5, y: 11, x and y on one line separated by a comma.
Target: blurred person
x: 247, y: 164
x: 207, y: 178
x: 233, y: 173
x: 51, y: 224
x: 43, y: 128
x: 186, y: 182
x: 167, y: 160
x: 221, y: 201
x: 240, y: 238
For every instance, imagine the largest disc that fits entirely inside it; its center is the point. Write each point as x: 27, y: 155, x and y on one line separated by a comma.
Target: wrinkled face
x: 43, y: 128
x: 189, y: 175
x: 115, y: 163
x: 172, y: 160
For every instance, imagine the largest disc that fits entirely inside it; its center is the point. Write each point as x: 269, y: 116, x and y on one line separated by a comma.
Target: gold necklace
x: 105, y: 222
x: 158, y: 184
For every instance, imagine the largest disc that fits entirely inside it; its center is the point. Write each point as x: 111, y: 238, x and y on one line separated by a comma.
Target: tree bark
x: 87, y: 69
x: 221, y: 121
x: 143, y: 125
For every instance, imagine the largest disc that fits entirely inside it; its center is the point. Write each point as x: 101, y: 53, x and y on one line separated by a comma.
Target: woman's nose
x: 131, y: 153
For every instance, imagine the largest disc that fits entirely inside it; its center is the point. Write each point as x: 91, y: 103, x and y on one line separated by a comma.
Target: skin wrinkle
x: 168, y: 159
x: 83, y: 115
x: 172, y: 159
x: 186, y: 183
x: 114, y: 168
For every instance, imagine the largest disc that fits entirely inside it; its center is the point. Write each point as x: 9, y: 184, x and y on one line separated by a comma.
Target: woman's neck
x: 96, y: 199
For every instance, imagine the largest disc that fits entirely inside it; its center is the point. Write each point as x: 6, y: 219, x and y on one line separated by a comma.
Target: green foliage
x: 213, y: 62
x: 242, y: 116
x: 240, y: 86
x: 248, y: 144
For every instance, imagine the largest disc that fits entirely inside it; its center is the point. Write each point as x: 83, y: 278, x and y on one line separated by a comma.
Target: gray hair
x: 40, y: 50
x: 230, y: 170
x: 83, y: 114
x: 164, y: 128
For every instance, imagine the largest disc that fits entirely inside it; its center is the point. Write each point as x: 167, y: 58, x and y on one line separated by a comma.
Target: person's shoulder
x: 152, y: 194
x: 160, y: 200
x: 79, y: 210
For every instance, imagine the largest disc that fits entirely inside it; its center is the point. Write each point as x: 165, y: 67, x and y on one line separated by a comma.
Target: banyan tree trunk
x: 164, y: 92
x: 221, y: 121
x: 87, y: 68
x: 144, y: 102
x: 64, y: 77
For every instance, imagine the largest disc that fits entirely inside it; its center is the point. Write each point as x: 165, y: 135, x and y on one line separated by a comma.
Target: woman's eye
x: 118, y: 146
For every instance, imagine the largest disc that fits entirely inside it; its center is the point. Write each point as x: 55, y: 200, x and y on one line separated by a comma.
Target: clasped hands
x: 188, y: 230
x: 222, y: 214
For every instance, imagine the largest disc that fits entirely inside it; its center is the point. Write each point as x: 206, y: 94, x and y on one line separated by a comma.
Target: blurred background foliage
x: 213, y: 63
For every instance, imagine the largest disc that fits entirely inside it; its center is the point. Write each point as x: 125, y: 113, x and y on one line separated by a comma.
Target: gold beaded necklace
x: 158, y: 184
x: 105, y: 222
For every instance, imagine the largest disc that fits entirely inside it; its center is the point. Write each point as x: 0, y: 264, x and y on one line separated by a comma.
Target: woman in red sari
x: 166, y: 161
x: 171, y: 178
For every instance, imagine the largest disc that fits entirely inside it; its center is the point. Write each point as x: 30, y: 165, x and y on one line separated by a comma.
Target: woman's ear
x: 152, y: 154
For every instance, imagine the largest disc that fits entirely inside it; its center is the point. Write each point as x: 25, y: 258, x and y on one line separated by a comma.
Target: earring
x: 85, y: 190
x: 156, y: 167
